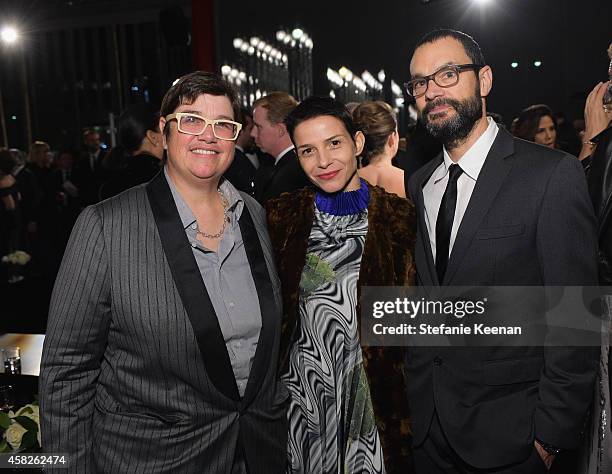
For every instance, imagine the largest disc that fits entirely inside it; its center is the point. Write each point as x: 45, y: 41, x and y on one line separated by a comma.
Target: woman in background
x: 141, y: 140
x: 348, y: 412
x: 537, y: 124
x: 9, y: 205
x: 377, y: 123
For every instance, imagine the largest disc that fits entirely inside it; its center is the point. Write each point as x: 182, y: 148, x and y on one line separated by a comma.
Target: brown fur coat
x: 388, y: 260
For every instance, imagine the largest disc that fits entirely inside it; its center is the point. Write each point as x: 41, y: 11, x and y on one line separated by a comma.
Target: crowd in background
x: 43, y: 191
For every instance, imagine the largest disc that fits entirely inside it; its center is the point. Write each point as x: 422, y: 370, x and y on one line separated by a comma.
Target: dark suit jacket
x: 87, y: 180
x: 529, y: 223
x: 139, y: 169
x: 286, y: 176
x: 135, y: 376
x: 241, y: 173
x: 387, y: 261
x: 600, y: 188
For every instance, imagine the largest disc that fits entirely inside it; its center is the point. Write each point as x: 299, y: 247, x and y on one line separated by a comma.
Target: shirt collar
x: 235, y: 203
x: 282, y: 153
x: 473, y: 160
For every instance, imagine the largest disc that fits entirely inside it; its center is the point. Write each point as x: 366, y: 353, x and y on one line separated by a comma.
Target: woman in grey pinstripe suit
x: 163, y: 333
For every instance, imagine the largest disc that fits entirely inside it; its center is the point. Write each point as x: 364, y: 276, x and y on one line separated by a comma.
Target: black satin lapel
x: 270, y: 314
x: 191, y: 288
x: 490, y: 179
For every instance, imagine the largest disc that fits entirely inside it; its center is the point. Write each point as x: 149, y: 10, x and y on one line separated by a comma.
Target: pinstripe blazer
x: 135, y: 376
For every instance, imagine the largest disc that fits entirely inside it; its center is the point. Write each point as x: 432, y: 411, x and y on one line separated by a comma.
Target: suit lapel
x: 191, y: 288
x: 268, y: 176
x: 269, y: 310
x: 490, y: 179
x: 426, y: 267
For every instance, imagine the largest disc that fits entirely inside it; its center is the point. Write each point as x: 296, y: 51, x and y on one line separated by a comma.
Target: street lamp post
x: 9, y: 35
x: 3, y: 120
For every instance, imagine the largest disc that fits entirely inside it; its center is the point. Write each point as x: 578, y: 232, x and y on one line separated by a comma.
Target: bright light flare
x: 9, y: 34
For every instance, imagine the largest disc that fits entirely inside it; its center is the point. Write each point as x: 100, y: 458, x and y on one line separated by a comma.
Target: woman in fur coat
x: 348, y: 411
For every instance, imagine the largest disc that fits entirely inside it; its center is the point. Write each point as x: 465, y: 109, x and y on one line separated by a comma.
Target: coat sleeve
x: 74, y: 344
x: 567, y: 252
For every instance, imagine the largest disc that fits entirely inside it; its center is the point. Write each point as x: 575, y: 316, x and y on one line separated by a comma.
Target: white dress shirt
x: 471, y: 163
x: 282, y: 153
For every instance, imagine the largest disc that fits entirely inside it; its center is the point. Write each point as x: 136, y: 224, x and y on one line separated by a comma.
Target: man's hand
x: 547, y: 458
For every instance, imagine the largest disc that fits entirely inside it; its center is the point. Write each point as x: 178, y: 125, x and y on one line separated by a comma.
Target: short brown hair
x: 376, y: 121
x: 190, y: 86
x: 278, y: 104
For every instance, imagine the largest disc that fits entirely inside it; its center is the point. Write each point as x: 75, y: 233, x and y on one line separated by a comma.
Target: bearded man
x: 493, y: 211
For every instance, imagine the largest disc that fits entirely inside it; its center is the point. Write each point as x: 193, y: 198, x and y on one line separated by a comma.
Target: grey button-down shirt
x: 229, y: 282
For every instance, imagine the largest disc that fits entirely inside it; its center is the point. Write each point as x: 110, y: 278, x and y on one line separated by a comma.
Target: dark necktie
x: 444, y: 223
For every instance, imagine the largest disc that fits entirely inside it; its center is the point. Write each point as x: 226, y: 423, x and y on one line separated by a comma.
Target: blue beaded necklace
x: 344, y: 203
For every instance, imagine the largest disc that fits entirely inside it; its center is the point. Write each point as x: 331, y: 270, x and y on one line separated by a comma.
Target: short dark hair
x: 133, y: 124
x: 313, y: 107
x: 190, y: 86
x: 469, y: 44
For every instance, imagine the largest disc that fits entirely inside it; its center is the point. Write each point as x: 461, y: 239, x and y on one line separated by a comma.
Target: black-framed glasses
x: 193, y: 124
x: 446, y: 76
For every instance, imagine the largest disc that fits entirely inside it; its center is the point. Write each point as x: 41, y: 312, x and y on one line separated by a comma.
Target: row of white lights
x: 236, y: 76
x: 294, y: 37
x: 345, y: 76
x: 260, y: 48
x: 515, y: 64
x: 397, y: 92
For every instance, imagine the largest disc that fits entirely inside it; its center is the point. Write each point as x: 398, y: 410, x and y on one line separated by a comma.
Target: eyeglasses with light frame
x: 446, y: 76
x: 193, y: 124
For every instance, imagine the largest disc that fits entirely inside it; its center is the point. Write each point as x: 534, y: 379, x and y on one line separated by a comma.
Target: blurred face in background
x: 245, y: 140
x: 92, y: 142
x: 546, y: 134
x: 41, y: 154
x: 265, y: 133
x: 65, y: 161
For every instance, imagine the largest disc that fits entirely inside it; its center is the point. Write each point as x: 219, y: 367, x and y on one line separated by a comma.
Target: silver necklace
x: 219, y: 234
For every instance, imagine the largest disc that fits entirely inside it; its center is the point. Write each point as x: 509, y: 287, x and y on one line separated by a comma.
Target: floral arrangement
x: 18, y: 257
x: 20, y: 430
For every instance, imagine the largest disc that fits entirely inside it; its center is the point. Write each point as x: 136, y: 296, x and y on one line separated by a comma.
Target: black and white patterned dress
x: 331, y: 420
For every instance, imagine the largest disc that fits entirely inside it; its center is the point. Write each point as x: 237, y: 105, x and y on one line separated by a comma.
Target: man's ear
x: 359, y: 143
x: 485, y: 76
x: 162, y: 127
x: 282, y: 129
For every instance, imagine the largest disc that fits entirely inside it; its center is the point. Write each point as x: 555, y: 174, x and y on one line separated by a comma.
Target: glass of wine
x: 12, y: 360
